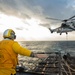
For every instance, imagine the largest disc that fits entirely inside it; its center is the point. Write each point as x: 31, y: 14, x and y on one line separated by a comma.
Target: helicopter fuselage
x: 64, y: 28
x: 68, y: 25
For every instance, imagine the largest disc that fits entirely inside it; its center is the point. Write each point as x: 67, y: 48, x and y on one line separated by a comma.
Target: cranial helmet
x: 9, y: 33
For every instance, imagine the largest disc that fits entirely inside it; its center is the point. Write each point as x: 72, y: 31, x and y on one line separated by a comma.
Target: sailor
x: 9, y: 50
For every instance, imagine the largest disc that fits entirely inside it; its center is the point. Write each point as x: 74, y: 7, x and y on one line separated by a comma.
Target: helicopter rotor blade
x: 71, y: 18
x: 65, y: 20
x: 53, y: 19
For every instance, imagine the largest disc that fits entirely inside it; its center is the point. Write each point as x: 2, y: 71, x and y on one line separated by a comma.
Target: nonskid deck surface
x: 54, y: 64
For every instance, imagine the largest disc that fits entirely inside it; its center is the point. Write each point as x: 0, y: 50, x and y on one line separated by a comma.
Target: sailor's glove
x: 33, y: 54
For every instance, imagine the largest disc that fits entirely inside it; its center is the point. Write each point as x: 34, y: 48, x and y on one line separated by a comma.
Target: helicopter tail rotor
x: 51, y: 30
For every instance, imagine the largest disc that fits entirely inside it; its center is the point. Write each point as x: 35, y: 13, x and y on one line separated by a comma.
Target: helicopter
x: 68, y: 25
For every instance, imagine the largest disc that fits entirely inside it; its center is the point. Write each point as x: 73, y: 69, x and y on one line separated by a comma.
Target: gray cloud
x: 20, y: 8
x: 60, y: 9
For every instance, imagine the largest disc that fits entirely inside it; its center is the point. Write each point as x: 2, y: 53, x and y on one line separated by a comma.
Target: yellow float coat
x: 9, y: 51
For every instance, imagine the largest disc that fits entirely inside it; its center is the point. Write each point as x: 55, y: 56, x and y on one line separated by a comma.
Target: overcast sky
x: 28, y: 18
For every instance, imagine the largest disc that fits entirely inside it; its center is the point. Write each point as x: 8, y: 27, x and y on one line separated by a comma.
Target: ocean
x: 50, y: 46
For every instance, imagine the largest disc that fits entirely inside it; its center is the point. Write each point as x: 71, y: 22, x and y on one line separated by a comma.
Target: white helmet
x: 9, y: 33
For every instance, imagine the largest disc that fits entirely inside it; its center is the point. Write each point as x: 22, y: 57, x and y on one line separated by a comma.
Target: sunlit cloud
x: 31, y: 30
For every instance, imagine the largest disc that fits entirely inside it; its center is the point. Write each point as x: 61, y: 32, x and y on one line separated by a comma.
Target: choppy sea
x: 50, y: 46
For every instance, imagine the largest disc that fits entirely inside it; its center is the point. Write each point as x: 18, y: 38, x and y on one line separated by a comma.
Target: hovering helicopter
x: 68, y: 25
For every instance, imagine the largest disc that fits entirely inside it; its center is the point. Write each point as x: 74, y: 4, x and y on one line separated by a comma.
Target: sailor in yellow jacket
x: 9, y: 50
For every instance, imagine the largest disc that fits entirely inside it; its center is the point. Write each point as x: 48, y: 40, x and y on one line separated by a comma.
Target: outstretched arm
x: 21, y: 50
